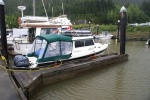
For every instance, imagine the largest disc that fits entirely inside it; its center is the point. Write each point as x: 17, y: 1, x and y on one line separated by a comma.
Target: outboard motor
x: 21, y: 61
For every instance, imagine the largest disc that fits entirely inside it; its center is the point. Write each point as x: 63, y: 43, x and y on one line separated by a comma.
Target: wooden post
x: 3, y: 30
x: 118, y: 31
x: 89, y: 25
x: 97, y: 29
x: 123, y: 29
x: 149, y: 31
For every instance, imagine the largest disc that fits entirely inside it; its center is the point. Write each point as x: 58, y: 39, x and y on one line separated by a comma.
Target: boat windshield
x: 38, y: 47
x: 58, y: 48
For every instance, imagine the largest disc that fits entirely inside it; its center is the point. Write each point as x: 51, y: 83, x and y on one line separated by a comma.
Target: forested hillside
x: 124, y: 2
x: 95, y: 11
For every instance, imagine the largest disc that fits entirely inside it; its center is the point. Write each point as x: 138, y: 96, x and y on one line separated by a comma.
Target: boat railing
x: 77, y: 33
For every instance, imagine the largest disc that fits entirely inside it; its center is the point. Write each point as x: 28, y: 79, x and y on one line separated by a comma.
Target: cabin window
x: 45, y: 31
x: 53, y: 49
x: 31, y: 34
x: 66, y: 48
x: 79, y: 44
x: 89, y: 42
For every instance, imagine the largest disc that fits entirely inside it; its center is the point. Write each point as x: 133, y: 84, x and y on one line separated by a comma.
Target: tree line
x: 95, y: 11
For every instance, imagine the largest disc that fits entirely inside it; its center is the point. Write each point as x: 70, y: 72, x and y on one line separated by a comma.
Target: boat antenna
x: 44, y: 8
x: 63, y: 8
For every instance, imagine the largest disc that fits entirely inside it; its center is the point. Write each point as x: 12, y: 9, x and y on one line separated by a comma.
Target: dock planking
x: 31, y: 81
x: 8, y: 90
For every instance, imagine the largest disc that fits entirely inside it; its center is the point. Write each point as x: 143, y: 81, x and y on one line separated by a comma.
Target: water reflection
x: 129, y: 80
x: 119, y: 82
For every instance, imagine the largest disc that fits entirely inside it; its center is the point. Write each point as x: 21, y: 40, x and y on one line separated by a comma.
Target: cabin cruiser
x: 104, y: 36
x: 22, y: 38
x: 32, y: 26
x: 77, y: 33
x: 55, y: 47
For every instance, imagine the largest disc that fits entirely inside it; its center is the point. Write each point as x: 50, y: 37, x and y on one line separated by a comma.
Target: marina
x: 59, y: 63
x: 27, y: 80
x: 127, y: 80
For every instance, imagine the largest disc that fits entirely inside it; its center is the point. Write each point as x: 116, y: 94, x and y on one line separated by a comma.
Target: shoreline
x: 133, y: 38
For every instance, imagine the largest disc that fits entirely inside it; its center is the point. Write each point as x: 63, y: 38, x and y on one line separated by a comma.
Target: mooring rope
x: 110, y: 50
x: 27, y: 70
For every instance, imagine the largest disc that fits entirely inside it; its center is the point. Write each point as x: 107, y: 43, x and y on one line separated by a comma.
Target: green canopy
x: 55, y: 37
x: 61, y: 50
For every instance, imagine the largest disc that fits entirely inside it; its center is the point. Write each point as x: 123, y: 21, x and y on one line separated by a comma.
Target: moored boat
x: 32, y: 26
x: 104, y: 36
x: 53, y: 47
x: 148, y: 42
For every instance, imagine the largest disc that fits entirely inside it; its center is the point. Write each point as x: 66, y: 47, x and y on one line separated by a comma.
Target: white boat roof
x: 80, y: 38
x: 37, y: 21
x: 42, y: 24
x: 34, y: 18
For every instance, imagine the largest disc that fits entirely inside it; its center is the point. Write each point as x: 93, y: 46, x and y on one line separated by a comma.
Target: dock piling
x: 97, y: 29
x: 123, y: 29
x: 3, y: 30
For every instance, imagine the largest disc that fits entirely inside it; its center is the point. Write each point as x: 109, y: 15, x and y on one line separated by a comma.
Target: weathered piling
x: 123, y: 29
x: 3, y: 30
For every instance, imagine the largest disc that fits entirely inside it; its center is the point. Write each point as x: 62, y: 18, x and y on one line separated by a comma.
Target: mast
x: 33, y: 7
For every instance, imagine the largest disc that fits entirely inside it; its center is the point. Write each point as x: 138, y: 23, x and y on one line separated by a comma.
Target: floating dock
x: 8, y: 88
x: 29, y: 81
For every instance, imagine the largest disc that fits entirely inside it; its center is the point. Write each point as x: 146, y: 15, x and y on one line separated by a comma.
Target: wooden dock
x: 31, y: 81
x: 8, y: 88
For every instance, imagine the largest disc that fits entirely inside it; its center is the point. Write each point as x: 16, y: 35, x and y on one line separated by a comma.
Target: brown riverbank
x: 134, y: 36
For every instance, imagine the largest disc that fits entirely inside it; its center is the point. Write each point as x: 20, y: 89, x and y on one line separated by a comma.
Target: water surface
x: 129, y: 80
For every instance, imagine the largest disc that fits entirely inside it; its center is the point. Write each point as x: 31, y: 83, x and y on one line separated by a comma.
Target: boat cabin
x: 42, y: 25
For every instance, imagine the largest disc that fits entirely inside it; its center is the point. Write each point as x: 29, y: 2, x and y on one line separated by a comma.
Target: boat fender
x: 93, y: 56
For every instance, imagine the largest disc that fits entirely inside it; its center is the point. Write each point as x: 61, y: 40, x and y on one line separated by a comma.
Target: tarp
x: 55, y: 37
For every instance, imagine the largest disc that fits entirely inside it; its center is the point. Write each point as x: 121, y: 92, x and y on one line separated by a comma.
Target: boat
x: 32, y: 26
x: 80, y: 32
x: 57, y: 47
x: 148, y: 42
x: 104, y: 36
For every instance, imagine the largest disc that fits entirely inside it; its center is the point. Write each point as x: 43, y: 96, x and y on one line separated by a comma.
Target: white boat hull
x: 147, y: 42
x: 77, y: 53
